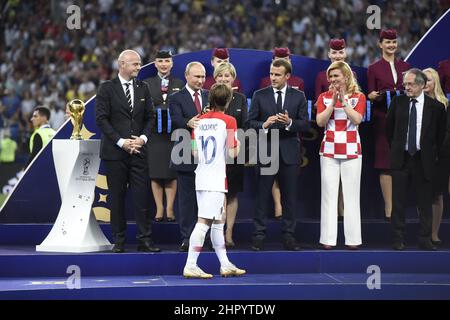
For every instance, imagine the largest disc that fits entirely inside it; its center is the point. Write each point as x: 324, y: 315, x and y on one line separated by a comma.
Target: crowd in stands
x: 42, y: 62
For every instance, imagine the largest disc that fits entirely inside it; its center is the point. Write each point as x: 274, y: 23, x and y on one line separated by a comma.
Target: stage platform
x: 273, y: 274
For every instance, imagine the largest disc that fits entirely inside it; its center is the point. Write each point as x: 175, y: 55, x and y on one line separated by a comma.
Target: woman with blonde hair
x: 340, y: 110
x: 441, y: 181
x: 225, y: 73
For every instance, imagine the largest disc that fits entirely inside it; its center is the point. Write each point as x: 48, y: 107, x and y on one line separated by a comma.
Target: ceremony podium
x: 76, y: 229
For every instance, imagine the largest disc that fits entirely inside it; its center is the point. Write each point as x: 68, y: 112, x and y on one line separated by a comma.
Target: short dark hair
x: 43, y: 112
x: 283, y: 63
x: 219, y: 96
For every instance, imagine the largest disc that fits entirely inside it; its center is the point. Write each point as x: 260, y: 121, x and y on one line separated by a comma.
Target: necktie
x: 128, y: 95
x: 197, y: 102
x: 279, y: 102
x: 412, y: 128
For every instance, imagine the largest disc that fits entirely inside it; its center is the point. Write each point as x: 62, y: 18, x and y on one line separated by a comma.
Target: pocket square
x: 142, y: 99
x: 176, y: 89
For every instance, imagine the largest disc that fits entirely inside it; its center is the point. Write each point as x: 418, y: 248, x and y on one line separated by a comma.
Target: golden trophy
x: 76, y: 111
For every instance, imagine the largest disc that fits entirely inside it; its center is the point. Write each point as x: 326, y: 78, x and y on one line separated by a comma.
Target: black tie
x: 412, y: 128
x: 128, y: 95
x: 279, y: 102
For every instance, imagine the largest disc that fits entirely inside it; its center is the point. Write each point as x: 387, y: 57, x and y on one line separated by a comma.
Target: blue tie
x: 412, y: 128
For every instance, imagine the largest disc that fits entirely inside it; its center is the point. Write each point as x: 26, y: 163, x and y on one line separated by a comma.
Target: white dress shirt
x: 419, y: 112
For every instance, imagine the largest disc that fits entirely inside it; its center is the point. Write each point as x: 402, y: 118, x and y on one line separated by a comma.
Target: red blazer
x: 379, y: 75
x: 294, y: 82
x: 444, y: 75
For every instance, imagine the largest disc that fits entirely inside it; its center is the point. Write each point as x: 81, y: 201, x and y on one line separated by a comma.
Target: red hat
x: 337, y: 44
x: 281, y: 53
x: 390, y: 34
x: 221, y: 53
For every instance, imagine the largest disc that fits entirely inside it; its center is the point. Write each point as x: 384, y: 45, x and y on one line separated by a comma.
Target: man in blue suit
x: 279, y: 107
x: 185, y: 107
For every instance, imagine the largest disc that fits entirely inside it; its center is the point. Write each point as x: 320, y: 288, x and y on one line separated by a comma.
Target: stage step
x: 25, y: 262
x: 374, y: 232
x: 262, y: 287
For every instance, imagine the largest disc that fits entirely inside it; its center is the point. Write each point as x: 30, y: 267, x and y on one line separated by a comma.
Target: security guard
x: 42, y: 134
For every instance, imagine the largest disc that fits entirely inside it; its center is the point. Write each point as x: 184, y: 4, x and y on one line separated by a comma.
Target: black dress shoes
x: 184, y: 247
x: 147, y: 246
x: 118, y: 248
x: 398, y: 246
x: 428, y: 246
x: 291, y: 245
x: 257, y: 244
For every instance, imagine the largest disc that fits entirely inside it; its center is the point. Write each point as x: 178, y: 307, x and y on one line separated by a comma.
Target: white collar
x: 283, y: 90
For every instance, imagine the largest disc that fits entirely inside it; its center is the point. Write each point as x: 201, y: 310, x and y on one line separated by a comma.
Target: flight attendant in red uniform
x: 296, y: 83
x: 220, y: 55
x: 384, y: 78
x: 336, y: 52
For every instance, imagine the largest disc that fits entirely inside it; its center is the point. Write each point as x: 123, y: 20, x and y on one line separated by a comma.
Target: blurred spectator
x: 38, y: 54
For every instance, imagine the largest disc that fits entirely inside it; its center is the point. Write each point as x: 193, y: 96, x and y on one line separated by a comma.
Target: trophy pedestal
x: 76, y: 229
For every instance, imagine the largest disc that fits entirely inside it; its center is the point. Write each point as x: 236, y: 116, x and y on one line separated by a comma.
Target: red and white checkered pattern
x: 341, y: 138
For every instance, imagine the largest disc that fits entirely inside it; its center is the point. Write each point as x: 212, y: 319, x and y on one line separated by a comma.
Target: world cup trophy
x: 76, y: 110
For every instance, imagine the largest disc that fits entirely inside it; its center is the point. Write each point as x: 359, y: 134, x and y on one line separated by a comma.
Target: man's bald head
x: 129, y: 64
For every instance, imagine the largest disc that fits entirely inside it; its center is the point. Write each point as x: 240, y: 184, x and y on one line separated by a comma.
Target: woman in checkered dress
x: 340, y: 110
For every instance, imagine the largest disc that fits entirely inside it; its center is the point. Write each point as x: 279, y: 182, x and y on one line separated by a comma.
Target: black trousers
x: 187, y: 203
x: 121, y: 174
x: 411, y: 173
x: 288, y: 180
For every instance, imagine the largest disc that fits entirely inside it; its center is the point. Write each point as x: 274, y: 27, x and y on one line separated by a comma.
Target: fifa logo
x: 86, y: 164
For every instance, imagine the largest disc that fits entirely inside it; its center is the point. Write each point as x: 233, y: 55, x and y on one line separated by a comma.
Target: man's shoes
x: 352, y: 247
x: 184, y: 247
x: 427, y: 245
x: 231, y: 271
x: 147, y: 246
x: 291, y: 245
x: 118, y: 248
x: 195, y: 272
x: 398, y: 246
x: 258, y: 244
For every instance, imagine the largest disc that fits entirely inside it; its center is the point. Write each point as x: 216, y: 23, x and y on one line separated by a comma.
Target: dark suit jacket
x: 238, y: 109
x: 445, y: 151
x: 154, y: 84
x: 113, y: 117
x: 182, y: 109
x: 264, y: 105
x: 431, y: 135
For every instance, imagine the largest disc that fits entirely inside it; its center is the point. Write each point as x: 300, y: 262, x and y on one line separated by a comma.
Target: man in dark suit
x: 124, y: 111
x: 415, y: 131
x: 185, y: 107
x: 279, y: 107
